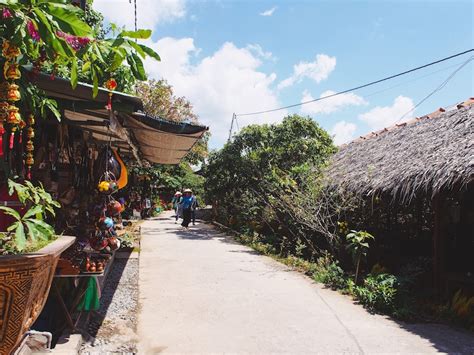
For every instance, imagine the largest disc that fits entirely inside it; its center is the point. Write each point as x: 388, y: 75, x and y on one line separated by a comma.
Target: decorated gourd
x: 114, y: 208
x: 105, y: 223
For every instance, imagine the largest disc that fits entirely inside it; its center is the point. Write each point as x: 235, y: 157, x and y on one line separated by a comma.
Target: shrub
x: 378, y: 293
x: 328, y: 272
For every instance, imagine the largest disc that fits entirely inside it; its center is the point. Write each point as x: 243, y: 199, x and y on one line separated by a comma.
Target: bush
x: 378, y: 293
x: 328, y: 271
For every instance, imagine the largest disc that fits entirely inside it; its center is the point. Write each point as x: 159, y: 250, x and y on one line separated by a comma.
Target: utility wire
x: 442, y: 85
x: 360, y: 86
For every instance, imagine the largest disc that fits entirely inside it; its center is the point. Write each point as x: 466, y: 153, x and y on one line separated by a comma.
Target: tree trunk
x: 357, y: 269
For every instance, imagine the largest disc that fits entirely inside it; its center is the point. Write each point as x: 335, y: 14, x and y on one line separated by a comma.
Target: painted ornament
x: 11, y: 71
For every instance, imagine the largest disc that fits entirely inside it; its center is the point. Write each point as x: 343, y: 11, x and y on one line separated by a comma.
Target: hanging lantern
x: 13, y: 93
x: 30, y: 133
x: 111, y: 85
x: 14, y: 117
x: 11, y: 71
x: 29, y: 161
x: 10, y: 51
x: 31, y: 120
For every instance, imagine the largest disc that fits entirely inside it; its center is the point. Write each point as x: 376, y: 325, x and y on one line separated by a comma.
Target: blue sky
x: 241, y: 56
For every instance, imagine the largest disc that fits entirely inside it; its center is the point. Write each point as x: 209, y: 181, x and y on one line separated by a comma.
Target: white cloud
x: 384, y: 116
x: 343, y: 132
x: 149, y: 12
x: 331, y: 104
x: 258, y: 50
x: 268, y: 12
x: 228, y: 80
x: 318, y: 70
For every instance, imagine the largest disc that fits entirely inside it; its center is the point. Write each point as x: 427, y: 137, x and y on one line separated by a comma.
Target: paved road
x: 202, y: 293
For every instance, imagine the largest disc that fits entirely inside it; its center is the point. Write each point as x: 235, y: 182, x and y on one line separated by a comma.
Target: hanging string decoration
x: 111, y: 85
x: 10, y: 91
x: 30, y: 146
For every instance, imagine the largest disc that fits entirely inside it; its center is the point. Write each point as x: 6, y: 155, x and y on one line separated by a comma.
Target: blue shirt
x: 187, y: 202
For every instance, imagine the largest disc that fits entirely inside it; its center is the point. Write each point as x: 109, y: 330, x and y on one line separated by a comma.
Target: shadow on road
x: 443, y: 338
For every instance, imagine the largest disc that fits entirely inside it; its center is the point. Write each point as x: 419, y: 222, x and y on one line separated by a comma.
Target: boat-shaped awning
x: 126, y: 126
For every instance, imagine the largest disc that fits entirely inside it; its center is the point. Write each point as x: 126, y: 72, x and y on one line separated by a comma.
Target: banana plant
x: 29, y: 227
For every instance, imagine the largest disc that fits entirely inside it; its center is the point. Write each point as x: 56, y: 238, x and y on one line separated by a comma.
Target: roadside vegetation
x: 268, y: 184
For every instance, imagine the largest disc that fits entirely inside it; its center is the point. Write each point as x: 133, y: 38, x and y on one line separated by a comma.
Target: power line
x: 360, y: 86
x: 442, y: 85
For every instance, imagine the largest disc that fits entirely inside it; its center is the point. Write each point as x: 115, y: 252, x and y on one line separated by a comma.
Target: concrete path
x: 202, y: 293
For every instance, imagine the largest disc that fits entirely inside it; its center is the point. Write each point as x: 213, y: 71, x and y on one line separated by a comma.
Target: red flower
x: 75, y: 42
x: 30, y: 26
x: 6, y: 13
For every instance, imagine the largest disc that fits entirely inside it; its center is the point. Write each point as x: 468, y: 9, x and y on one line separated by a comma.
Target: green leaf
x: 117, y: 61
x: 52, y: 105
x: 139, y: 34
x: 11, y: 212
x: 74, y: 73
x: 68, y: 21
x: 31, y: 231
x: 95, y: 82
x: 20, y: 238
x: 86, y: 66
x: 137, y: 47
x: 45, y: 230
x: 33, y: 211
x: 47, y: 33
x: 136, y: 65
x: 150, y: 52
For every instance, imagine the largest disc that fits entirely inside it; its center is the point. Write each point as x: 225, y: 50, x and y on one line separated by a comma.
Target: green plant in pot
x: 29, y: 231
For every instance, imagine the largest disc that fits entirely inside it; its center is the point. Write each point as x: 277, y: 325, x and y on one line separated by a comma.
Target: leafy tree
x: 54, y: 33
x: 262, y: 161
x: 159, y: 101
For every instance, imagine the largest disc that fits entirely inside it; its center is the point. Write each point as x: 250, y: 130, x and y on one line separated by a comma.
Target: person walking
x: 176, y: 205
x: 186, y: 203
x: 194, y: 206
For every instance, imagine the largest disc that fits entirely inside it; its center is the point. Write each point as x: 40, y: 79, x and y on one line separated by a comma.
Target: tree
x: 159, y: 101
x: 358, y: 245
x: 55, y: 34
x: 245, y: 177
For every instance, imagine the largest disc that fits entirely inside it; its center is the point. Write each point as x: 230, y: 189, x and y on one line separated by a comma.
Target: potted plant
x: 30, y: 251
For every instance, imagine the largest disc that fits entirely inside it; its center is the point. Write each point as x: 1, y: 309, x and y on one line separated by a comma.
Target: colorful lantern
x: 11, y: 71
x: 14, y: 116
x: 111, y: 85
x: 10, y: 51
x: 13, y: 93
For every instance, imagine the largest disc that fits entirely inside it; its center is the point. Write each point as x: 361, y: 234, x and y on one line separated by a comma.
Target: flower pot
x: 24, y: 286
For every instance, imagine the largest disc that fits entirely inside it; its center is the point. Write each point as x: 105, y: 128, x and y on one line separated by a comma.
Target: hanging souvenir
x: 111, y: 85
x: 114, y: 208
x: 11, y: 71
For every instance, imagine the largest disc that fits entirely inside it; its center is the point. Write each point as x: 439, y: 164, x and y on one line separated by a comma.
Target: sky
x: 244, y: 56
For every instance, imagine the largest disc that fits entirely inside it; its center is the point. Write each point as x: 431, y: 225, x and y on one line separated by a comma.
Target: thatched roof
x: 428, y: 154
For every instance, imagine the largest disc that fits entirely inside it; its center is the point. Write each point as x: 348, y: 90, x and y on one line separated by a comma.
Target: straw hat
x: 187, y: 190
x: 178, y: 193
